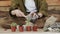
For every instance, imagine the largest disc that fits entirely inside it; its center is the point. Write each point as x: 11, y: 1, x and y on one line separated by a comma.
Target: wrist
x: 13, y: 12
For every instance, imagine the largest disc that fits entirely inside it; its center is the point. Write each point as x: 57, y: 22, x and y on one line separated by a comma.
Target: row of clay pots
x: 21, y: 28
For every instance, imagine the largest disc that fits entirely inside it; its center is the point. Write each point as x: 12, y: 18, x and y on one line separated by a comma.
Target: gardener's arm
x: 43, y: 8
x: 14, y: 11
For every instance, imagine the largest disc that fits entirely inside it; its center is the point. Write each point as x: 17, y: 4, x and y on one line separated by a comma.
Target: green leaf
x: 13, y: 24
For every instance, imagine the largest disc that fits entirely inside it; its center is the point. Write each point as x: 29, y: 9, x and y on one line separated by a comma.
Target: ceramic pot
x: 28, y: 28
x: 21, y: 28
x: 13, y: 28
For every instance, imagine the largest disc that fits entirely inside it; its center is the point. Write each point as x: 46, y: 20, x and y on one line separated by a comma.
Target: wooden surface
x: 50, y: 2
x: 5, y: 3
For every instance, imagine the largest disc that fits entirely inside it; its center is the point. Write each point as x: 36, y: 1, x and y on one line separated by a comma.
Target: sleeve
x: 14, y: 4
x: 43, y: 7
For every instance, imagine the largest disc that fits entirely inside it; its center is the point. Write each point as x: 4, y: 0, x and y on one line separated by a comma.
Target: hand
x: 18, y: 13
x: 33, y: 15
x: 40, y: 14
x: 13, y: 12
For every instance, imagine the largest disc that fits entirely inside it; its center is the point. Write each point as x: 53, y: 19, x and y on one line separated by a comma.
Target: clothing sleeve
x: 43, y: 7
x: 14, y: 4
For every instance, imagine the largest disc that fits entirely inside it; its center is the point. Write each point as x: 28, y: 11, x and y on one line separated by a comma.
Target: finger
x: 18, y: 15
x: 35, y: 15
x: 22, y: 14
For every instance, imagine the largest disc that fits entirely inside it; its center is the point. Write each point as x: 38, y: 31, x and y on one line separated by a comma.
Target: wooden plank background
x: 50, y: 2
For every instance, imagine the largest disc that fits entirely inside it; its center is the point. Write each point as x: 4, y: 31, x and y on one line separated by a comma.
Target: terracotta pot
x: 28, y: 28
x: 35, y: 28
x: 13, y: 28
x: 21, y: 28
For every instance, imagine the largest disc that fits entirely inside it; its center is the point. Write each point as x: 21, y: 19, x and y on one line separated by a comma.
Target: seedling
x: 13, y: 27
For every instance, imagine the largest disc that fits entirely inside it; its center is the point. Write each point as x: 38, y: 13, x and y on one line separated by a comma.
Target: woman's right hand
x: 18, y: 13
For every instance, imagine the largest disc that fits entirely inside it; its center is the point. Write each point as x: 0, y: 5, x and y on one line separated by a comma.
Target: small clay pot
x: 21, y: 28
x: 28, y: 28
x: 13, y: 28
x: 35, y: 28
